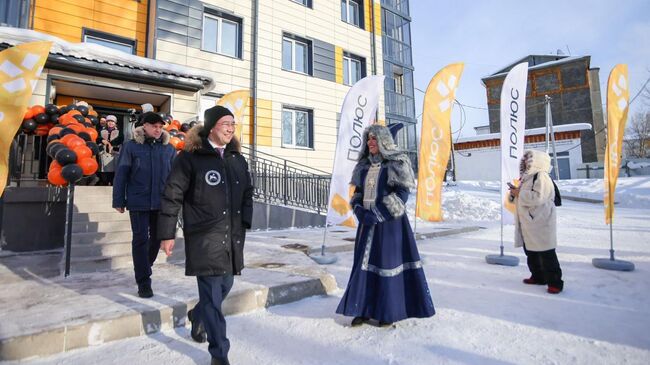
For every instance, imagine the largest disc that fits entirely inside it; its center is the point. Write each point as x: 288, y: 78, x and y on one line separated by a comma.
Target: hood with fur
x: 194, y: 141
x: 533, y: 162
x: 140, y: 137
x: 396, y: 161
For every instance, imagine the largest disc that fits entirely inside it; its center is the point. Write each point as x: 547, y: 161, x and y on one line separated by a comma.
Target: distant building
x: 479, y: 157
x: 574, y: 88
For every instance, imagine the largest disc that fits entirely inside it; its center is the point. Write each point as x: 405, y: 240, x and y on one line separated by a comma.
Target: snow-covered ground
x: 485, y: 315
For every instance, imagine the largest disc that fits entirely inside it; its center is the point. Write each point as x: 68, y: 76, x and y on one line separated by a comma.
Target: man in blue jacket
x: 140, y: 176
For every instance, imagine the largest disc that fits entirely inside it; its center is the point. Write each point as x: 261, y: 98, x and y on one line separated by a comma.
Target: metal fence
x: 284, y: 182
x: 28, y: 161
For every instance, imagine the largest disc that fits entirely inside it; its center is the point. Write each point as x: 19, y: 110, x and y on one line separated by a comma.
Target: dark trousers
x: 145, y: 244
x: 544, y: 267
x: 212, y: 292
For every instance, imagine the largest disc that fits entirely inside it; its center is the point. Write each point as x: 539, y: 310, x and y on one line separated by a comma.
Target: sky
x: 489, y: 35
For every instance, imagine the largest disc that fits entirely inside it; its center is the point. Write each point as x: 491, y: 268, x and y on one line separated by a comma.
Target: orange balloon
x: 29, y: 114
x: 175, y: 141
x: 55, y: 130
x: 73, y: 112
x: 74, y: 143
x: 76, y: 127
x: 55, y: 178
x: 92, y: 112
x: 37, y: 109
x: 66, y: 119
x: 68, y: 137
x: 88, y: 165
x: 42, y: 130
x: 92, y: 132
x: 180, y: 145
x: 82, y: 152
x: 54, y: 165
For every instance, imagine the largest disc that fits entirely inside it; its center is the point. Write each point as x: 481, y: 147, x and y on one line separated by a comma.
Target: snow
x: 485, y: 315
x: 96, y: 52
x: 637, y: 165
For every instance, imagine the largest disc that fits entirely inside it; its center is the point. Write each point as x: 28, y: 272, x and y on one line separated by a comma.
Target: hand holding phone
x: 511, y: 186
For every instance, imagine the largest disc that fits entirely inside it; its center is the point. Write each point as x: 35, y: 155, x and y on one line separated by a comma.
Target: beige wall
x: 276, y: 86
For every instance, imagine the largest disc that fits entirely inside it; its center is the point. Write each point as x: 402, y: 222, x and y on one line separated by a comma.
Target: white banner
x: 357, y: 113
x: 513, y: 126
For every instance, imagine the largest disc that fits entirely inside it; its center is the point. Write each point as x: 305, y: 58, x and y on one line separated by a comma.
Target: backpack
x: 558, y: 199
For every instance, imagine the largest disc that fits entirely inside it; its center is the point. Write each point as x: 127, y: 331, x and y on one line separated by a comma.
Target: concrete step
x: 101, y: 237
x: 98, y: 250
x: 122, y: 315
x: 101, y: 226
x: 93, y: 190
x: 93, y: 206
x: 100, y: 217
x: 103, y: 263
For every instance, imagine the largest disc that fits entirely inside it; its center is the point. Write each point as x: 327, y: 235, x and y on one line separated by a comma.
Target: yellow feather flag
x: 236, y: 101
x: 435, y: 145
x: 618, y: 100
x: 20, y: 68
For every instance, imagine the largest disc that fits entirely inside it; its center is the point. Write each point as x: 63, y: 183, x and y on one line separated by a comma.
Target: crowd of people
x: 209, y: 183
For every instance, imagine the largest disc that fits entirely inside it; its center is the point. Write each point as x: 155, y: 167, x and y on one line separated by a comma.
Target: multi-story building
x: 574, y: 88
x: 298, y: 58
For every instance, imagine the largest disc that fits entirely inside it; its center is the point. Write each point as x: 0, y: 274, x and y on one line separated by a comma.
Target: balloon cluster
x: 40, y: 119
x: 71, y: 145
x: 177, y: 133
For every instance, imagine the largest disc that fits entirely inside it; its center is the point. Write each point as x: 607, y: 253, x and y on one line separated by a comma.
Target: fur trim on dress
x: 394, y: 204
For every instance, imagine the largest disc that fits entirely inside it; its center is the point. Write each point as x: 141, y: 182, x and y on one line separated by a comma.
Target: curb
x: 419, y: 236
x: 133, y: 324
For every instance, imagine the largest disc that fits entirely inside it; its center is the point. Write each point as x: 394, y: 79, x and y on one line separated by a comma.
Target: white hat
x: 111, y: 117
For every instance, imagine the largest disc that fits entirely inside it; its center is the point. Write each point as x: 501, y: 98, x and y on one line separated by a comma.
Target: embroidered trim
x: 366, y: 266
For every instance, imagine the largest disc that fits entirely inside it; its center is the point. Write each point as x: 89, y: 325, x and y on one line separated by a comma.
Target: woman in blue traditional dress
x: 387, y: 281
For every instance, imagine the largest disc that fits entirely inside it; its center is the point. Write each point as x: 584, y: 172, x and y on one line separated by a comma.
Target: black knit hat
x: 211, y: 117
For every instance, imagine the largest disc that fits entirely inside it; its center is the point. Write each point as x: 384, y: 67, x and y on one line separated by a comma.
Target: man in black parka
x: 211, y: 182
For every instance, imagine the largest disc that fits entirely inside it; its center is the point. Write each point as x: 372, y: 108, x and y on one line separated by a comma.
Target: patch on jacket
x: 212, y: 177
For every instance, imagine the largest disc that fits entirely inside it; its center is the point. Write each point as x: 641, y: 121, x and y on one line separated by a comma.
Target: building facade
x: 574, y: 88
x: 298, y: 59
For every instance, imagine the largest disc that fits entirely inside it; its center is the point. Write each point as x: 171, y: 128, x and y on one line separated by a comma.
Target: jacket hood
x: 194, y: 142
x: 140, y: 137
x: 533, y: 162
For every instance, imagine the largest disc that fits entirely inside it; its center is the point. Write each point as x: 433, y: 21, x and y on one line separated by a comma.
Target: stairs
x: 101, y: 236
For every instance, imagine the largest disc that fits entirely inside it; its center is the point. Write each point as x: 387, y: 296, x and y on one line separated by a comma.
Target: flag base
x: 324, y: 259
x: 613, y: 264
x: 504, y: 260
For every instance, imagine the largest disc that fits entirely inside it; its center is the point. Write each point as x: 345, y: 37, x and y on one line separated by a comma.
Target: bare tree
x: 637, y: 140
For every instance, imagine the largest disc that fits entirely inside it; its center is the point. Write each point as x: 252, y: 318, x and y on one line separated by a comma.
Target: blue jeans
x: 212, y: 292
x: 145, y: 244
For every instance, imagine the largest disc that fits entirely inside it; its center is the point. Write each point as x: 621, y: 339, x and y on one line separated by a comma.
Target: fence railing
x: 276, y: 180
x: 285, y: 182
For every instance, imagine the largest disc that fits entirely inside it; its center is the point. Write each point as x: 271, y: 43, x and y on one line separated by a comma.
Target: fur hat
x: 211, y: 116
x: 111, y: 118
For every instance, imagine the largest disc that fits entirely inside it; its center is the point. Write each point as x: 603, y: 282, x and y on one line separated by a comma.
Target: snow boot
x: 553, y: 290
x: 197, y: 332
x: 358, y: 321
x: 533, y: 281
x: 145, y: 291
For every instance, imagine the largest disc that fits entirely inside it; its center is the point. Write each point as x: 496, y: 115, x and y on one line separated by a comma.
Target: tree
x: 637, y: 140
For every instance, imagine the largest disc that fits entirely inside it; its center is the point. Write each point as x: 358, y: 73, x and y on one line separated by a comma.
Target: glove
x: 369, y: 218
x: 359, y: 212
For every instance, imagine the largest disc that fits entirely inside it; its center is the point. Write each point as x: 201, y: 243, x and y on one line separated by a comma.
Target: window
x: 14, y: 13
x: 306, y: 3
x: 109, y: 40
x: 297, y: 128
x: 351, y: 69
x: 399, y: 83
x: 351, y: 11
x: 296, y: 55
x: 221, y: 35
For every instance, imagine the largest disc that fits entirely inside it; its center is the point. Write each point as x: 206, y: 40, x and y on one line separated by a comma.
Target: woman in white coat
x: 535, y: 221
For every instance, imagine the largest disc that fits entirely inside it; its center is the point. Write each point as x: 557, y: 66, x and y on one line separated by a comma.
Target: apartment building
x: 298, y: 59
